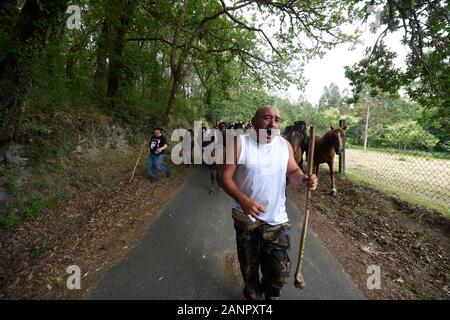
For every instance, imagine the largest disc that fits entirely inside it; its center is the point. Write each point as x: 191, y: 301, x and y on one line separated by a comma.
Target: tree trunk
x: 177, y: 80
x: 209, y: 111
x: 179, y: 71
x: 55, y: 37
x: 74, y: 49
x: 70, y: 62
x: 8, y: 15
x: 101, y: 66
x: 119, y: 32
x: 366, y: 132
x: 27, y: 39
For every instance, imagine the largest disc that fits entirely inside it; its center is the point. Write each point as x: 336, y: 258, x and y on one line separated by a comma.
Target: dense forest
x: 84, y: 82
x: 70, y: 65
x: 141, y: 61
x: 380, y: 121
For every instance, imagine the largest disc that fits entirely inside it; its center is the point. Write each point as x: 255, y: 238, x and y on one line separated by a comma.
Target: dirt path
x: 94, y: 230
x: 364, y: 227
x: 189, y: 252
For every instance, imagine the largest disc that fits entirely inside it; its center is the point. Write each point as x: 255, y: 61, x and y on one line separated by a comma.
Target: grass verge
x: 402, y: 195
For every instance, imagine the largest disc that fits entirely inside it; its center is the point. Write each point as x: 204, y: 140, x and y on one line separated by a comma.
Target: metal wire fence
x: 423, y: 177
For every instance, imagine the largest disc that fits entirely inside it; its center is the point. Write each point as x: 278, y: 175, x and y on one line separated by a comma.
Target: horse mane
x: 325, y: 136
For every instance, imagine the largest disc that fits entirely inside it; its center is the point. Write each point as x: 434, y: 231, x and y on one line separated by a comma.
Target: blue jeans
x: 156, y: 162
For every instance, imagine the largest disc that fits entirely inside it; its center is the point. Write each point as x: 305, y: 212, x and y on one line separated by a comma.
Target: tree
x: 124, y: 45
x: 212, y: 27
x: 383, y: 110
x: 9, y: 11
x: 400, y: 134
x: 425, y: 26
x: 120, y: 14
x: 23, y: 43
x: 409, y: 133
x: 437, y: 125
x: 331, y: 97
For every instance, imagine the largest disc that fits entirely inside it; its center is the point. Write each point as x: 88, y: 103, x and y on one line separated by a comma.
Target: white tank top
x: 261, y: 176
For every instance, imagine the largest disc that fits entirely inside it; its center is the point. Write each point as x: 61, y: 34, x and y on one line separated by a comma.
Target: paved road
x: 189, y: 253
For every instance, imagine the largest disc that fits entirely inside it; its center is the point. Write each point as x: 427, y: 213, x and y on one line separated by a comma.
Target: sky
x: 322, y: 72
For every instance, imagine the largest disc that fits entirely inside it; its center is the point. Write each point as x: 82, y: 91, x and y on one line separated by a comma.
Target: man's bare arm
x: 296, y: 175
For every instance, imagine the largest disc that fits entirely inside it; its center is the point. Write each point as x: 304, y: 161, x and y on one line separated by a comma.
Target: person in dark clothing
x: 155, y: 161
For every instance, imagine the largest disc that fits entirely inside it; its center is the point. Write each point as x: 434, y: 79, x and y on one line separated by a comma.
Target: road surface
x: 189, y: 253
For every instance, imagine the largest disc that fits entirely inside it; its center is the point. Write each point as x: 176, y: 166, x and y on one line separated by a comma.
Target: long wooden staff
x: 299, y: 281
x: 137, y: 162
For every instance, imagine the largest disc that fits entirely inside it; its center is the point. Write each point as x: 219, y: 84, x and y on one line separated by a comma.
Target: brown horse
x: 325, y: 148
x: 295, y: 141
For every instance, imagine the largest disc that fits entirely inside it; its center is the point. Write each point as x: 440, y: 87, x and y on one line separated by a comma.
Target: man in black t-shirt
x: 155, y: 161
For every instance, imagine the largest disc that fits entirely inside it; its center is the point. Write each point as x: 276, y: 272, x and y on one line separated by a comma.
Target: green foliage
x: 331, y: 98
x: 446, y: 146
x: 3, y: 42
x: 34, y: 208
x: 426, y: 139
x: 8, y: 221
x: 425, y: 28
x: 242, y: 105
x: 328, y: 117
x: 409, y: 134
x: 10, y: 178
x: 378, y: 71
x: 226, y: 66
x: 393, y: 122
x: 37, y: 128
x: 437, y: 125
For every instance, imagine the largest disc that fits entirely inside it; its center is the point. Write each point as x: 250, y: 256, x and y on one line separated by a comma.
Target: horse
x: 215, y: 168
x: 239, y: 128
x: 296, y: 135
x: 325, y: 148
x: 188, y: 157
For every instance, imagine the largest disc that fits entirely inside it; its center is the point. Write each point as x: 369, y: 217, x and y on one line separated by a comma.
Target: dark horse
x: 325, y: 148
x: 215, y: 169
x: 298, y: 138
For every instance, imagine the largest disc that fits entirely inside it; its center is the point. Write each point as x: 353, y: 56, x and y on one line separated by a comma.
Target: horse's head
x: 337, y: 138
x: 238, y: 125
x: 222, y: 127
x: 300, y: 125
x: 287, y: 131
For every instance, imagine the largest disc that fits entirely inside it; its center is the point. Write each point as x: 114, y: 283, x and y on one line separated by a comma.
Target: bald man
x: 256, y: 180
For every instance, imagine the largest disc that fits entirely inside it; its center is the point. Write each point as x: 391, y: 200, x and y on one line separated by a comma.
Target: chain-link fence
x: 424, y: 178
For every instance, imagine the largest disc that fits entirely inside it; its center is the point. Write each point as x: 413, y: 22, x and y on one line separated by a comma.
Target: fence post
x: 342, y: 155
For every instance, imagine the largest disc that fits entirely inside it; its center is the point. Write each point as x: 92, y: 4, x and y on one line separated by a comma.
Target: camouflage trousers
x: 260, y: 245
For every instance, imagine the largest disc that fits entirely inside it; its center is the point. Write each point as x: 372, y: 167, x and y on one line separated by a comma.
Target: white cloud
x: 322, y: 72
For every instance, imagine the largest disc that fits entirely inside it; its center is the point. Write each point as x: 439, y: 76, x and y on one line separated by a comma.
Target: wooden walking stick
x: 299, y: 281
x: 137, y: 162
